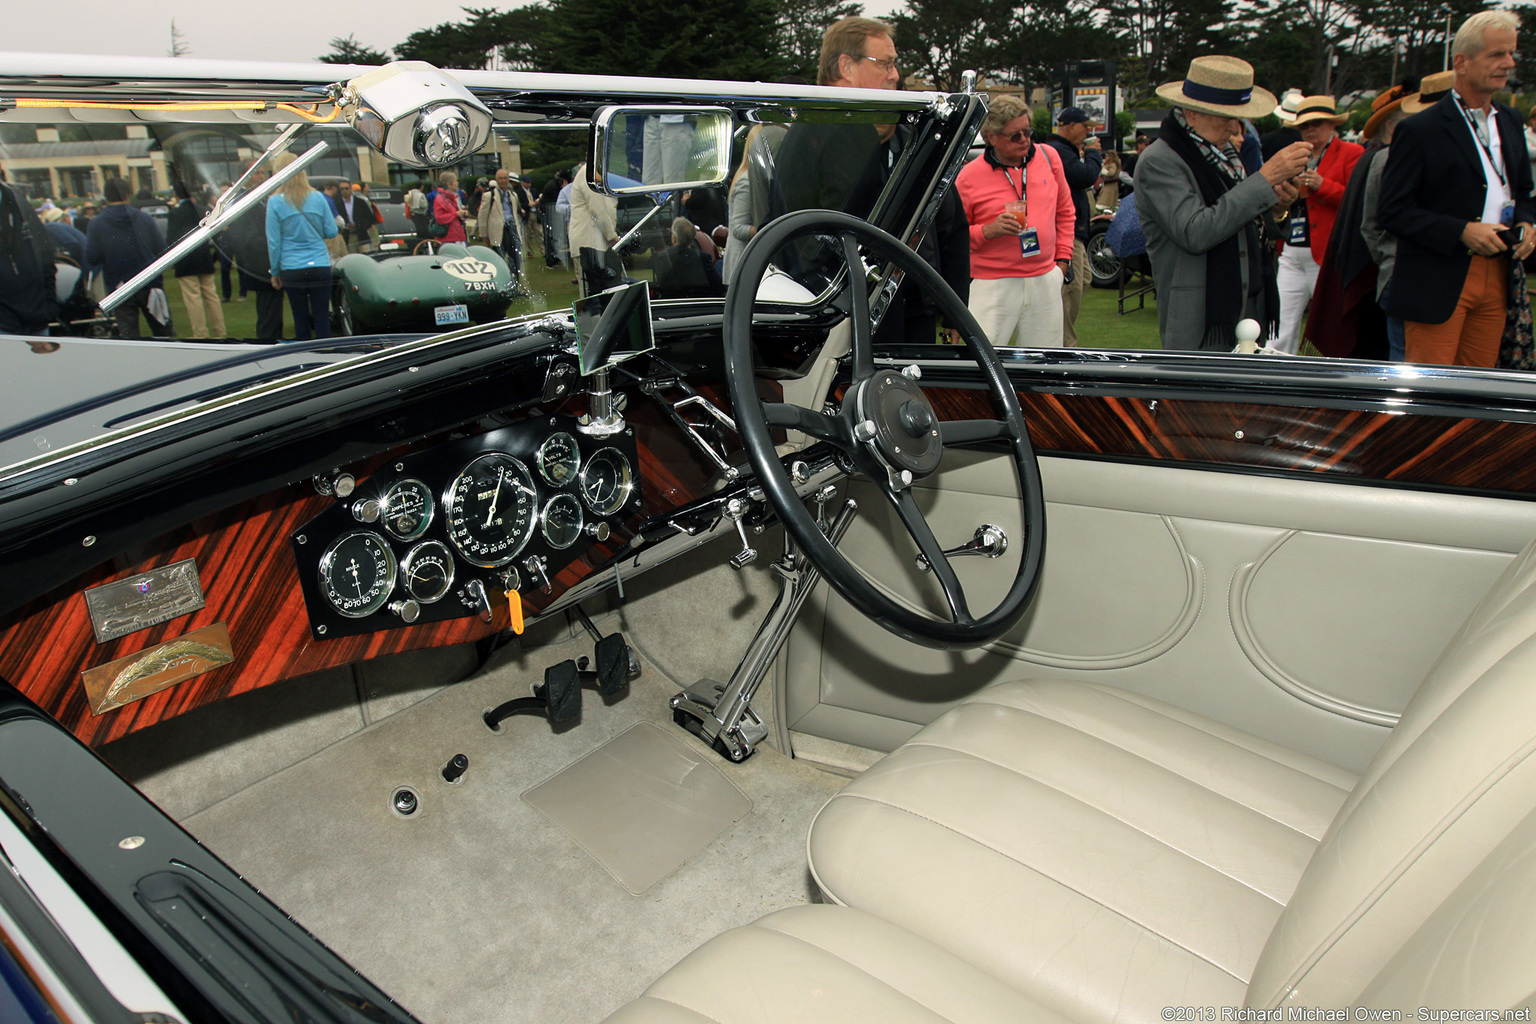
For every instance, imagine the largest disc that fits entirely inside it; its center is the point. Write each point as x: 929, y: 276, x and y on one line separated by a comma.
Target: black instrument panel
x: 440, y: 533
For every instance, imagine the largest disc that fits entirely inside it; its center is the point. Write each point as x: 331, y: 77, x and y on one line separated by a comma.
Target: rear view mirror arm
x: 280, y: 143
x: 660, y: 199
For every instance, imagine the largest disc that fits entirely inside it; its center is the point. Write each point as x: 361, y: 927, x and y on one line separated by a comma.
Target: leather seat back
x: 1423, y: 890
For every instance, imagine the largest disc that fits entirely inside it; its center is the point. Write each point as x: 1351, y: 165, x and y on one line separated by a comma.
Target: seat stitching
x: 917, y: 742
x: 1030, y: 867
x: 1113, y: 816
x: 1344, y: 793
x: 1106, y: 691
x: 874, y: 977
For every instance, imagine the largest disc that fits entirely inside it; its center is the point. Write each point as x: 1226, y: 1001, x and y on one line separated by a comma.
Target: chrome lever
x: 735, y: 511
x: 989, y: 541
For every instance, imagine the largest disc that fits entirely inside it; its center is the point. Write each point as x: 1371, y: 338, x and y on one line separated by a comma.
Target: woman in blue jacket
x: 299, y: 220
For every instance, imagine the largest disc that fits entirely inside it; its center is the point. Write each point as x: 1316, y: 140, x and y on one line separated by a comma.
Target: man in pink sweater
x: 1021, y: 220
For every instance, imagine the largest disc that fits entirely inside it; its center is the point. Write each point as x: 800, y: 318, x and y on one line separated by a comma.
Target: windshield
x: 357, y: 245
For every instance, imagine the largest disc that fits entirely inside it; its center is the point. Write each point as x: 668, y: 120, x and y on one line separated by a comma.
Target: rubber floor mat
x: 641, y: 804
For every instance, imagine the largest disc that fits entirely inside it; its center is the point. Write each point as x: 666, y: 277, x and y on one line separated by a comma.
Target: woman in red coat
x: 1322, y: 188
x: 447, y: 210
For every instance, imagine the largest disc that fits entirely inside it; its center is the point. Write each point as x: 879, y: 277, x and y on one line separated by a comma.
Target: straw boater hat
x: 1219, y: 85
x: 1382, y: 107
x: 1432, y: 88
x: 1286, y: 111
x: 1318, y: 108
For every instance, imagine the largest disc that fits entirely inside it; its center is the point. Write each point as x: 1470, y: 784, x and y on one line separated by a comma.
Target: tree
x: 463, y: 44
x: 725, y: 39
x: 940, y: 39
x: 350, y: 51
x: 179, y: 47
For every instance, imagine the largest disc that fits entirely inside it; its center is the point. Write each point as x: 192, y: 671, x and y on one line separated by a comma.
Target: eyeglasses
x: 1023, y: 135
x: 887, y: 64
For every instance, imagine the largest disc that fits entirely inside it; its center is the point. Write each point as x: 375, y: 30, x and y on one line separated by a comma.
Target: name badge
x: 1299, y: 235
x: 1029, y: 242
x: 1507, y: 213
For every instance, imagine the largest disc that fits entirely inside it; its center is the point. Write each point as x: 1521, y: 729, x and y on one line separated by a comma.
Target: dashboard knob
x: 408, y: 610
x: 912, y: 371
x: 599, y: 529
x: 336, y: 484
x: 365, y: 510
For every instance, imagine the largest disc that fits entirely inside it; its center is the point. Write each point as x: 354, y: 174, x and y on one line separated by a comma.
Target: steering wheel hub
x: 906, y: 431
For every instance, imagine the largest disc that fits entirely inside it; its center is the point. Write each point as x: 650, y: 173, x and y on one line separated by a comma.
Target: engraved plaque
x: 138, y: 602
x: 153, y: 669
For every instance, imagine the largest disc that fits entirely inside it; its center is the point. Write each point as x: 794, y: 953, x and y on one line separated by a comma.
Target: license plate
x: 451, y: 314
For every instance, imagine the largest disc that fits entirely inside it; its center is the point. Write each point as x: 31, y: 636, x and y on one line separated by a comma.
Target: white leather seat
x: 1056, y: 833
x: 826, y: 965
x: 1071, y: 851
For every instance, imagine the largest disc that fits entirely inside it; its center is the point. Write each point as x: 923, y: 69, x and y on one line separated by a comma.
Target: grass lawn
x: 1098, y: 323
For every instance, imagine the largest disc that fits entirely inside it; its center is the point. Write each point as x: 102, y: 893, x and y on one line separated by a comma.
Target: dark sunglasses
x: 1020, y: 136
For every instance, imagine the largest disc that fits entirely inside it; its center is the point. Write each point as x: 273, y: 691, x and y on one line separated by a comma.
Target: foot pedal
x: 562, y: 691
x: 613, y: 664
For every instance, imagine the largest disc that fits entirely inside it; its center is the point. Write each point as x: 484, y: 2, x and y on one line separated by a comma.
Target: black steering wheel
x: 887, y: 428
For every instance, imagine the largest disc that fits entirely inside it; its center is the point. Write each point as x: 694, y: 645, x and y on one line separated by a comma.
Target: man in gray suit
x: 1209, y: 223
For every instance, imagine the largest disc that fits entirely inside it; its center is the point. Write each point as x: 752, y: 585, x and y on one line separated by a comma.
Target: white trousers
x: 1296, y: 280
x: 1029, y: 307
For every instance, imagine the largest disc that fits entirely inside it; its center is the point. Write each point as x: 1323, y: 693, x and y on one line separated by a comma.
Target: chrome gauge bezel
x: 622, y: 492
x: 428, y: 513
x: 417, y: 553
x: 374, y: 604
x: 571, y: 462
x: 460, y: 535
x: 544, y: 521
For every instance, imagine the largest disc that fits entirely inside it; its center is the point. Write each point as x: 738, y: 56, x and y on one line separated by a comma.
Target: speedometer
x: 357, y: 572
x: 489, y: 509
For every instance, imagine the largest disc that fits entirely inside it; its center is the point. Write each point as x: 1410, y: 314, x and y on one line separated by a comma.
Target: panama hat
x: 1318, y: 108
x: 1431, y: 89
x: 1219, y: 85
x: 1382, y: 107
x: 1286, y: 111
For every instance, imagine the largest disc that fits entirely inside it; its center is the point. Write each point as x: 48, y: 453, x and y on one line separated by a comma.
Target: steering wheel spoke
x: 917, y: 527
x: 819, y: 425
x: 966, y: 431
x: 858, y: 292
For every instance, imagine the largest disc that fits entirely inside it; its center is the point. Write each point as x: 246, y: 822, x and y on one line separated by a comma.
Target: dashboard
x: 449, y: 531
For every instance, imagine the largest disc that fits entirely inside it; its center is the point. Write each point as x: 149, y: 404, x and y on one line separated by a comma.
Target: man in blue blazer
x: 1457, y: 194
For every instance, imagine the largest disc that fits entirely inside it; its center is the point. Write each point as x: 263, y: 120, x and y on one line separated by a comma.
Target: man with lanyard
x: 1022, y: 225
x: 1322, y: 190
x: 501, y: 224
x: 1457, y: 194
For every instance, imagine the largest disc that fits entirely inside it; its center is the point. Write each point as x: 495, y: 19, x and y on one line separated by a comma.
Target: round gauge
x: 490, y: 508
x: 559, y: 459
x: 607, y: 482
x: 426, y: 571
x: 357, y: 572
x: 562, y: 521
x: 407, y: 509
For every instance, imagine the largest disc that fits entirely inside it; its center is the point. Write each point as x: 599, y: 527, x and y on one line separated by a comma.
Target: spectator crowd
x: 1409, y: 244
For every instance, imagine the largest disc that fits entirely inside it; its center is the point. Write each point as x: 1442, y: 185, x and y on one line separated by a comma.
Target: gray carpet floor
x: 477, y: 908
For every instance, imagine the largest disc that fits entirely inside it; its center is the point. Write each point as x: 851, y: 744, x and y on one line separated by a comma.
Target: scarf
x: 1216, y: 171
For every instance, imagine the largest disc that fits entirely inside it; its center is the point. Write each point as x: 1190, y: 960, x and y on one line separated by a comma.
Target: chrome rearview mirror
x: 415, y: 114
x: 637, y: 150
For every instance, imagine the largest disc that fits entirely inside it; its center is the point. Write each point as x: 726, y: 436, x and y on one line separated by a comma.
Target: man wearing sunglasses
x: 1021, y: 216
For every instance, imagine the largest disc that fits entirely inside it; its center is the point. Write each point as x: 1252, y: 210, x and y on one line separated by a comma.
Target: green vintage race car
x: 394, y: 290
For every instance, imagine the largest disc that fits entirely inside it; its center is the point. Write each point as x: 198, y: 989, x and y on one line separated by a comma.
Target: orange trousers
x: 1471, y: 336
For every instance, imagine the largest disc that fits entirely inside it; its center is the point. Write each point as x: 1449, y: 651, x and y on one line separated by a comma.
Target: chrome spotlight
x: 415, y: 114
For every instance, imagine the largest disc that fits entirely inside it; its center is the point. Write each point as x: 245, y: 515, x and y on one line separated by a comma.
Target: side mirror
x: 639, y: 150
x: 415, y: 114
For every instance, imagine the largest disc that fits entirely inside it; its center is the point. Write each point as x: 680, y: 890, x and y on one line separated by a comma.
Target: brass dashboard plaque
x: 153, y: 669
x: 147, y: 599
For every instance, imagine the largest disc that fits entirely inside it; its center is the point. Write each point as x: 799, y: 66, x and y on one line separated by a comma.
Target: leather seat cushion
x: 1102, y: 851
x: 826, y: 965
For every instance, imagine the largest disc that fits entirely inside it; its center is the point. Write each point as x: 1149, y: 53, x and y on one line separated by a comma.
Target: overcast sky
x: 275, y: 30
